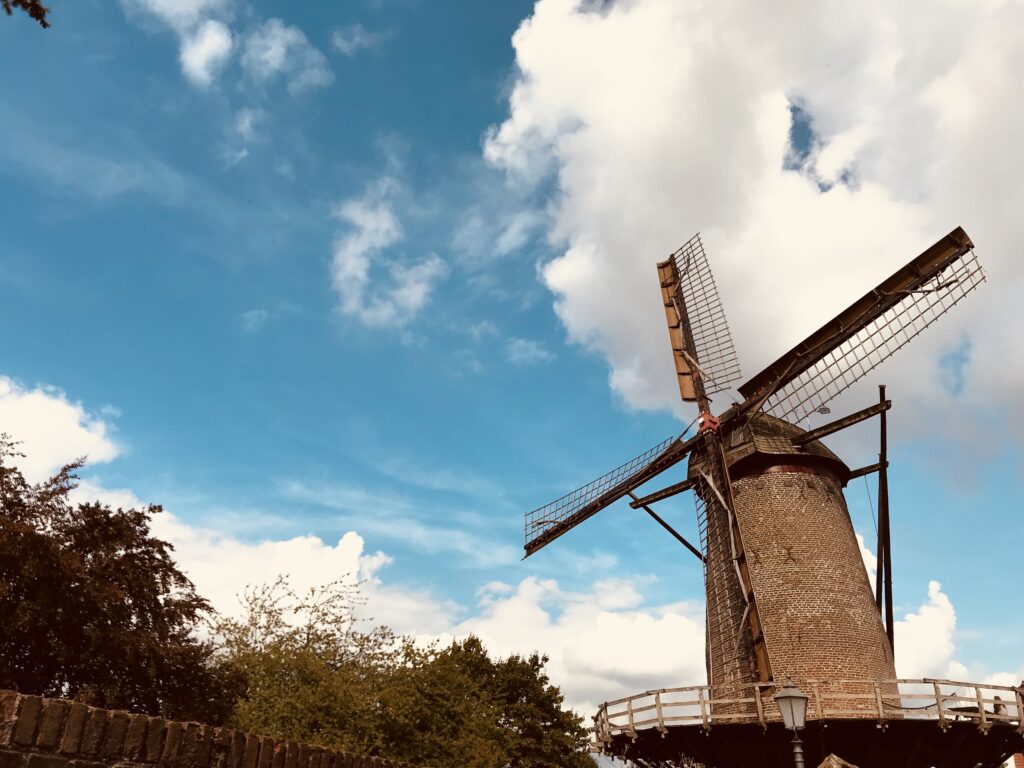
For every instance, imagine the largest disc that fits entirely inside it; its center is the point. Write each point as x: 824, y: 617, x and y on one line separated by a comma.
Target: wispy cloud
x: 373, y: 228
x: 93, y: 172
x: 397, y: 518
x: 254, y: 320
x: 351, y: 40
x: 247, y: 123
x: 276, y: 50
x: 526, y: 352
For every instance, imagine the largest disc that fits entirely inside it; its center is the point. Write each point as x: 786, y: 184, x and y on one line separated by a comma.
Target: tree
x: 315, y: 676
x: 33, y: 8
x: 93, y: 608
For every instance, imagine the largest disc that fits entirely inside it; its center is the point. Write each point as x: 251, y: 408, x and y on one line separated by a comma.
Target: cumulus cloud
x: 373, y: 227
x: 661, y: 124
x: 929, y: 632
x: 52, y: 429
x: 180, y: 15
x: 205, y: 41
x: 584, y: 633
x: 205, y: 51
x: 351, y: 40
x: 276, y: 50
x: 526, y: 352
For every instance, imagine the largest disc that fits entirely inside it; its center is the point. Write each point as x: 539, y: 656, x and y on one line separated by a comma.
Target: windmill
x: 787, y: 594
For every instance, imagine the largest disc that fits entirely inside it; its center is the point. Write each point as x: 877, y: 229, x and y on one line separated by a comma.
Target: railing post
x: 629, y: 711
x: 938, y: 701
x: 983, y: 724
x: 817, y: 700
x: 703, y: 708
x: 661, y: 715
x: 1020, y: 709
x: 760, y: 707
x: 878, y: 701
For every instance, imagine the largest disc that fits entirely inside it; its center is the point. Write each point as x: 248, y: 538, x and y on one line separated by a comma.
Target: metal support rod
x: 663, y: 494
x: 883, y: 514
x: 843, y: 423
x: 798, y: 750
x: 667, y: 527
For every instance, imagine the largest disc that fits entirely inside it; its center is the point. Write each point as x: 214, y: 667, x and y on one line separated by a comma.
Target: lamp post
x: 793, y: 705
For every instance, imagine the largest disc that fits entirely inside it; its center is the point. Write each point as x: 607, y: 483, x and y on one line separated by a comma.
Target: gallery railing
x: 941, y: 701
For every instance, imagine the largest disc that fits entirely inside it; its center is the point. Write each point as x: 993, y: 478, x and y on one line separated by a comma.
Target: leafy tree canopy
x: 314, y: 676
x: 33, y: 8
x: 92, y: 607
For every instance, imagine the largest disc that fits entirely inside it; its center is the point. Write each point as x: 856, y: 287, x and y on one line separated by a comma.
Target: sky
x: 347, y: 287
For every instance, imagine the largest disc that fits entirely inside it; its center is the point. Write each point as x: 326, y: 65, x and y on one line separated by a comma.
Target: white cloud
x: 373, y: 228
x: 526, y: 352
x: 180, y: 15
x: 585, y: 635
x: 254, y: 320
x: 275, y: 49
x: 206, y: 42
x: 672, y: 117
x: 397, y: 518
x: 247, y: 123
x: 350, y: 40
x: 926, y: 637
x: 222, y: 566
x: 52, y: 428
x: 205, y: 51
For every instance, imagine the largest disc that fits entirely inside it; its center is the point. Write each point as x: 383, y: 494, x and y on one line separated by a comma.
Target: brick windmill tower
x: 787, y: 593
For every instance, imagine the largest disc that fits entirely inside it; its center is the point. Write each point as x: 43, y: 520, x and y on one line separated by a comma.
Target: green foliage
x: 93, y: 608
x: 314, y: 676
x: 33, y: 8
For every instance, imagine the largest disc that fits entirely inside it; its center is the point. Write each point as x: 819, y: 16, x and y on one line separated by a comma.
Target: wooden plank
x: 664, y: 493
x: 860, y: 314
x: 847, y: 421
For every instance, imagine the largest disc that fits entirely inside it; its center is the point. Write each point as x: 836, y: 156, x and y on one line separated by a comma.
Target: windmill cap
x: 765, y: 441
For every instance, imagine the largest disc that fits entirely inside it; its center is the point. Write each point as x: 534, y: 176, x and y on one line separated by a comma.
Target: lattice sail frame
x: 714, y: 349
x: 547, y: 520
x: 876, y: 342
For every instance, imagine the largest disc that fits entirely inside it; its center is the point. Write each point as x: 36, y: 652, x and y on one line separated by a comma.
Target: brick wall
x: 814, y: 599
x: 1018, y: 761
x: 52, y: 733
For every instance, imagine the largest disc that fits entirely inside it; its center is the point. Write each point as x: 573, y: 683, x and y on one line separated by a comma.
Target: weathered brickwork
x: 51, y: 733
x: 814, y: 600
x: 816, y: 606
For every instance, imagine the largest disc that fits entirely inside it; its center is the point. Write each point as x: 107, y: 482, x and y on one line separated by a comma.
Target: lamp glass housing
x: 793, y: 705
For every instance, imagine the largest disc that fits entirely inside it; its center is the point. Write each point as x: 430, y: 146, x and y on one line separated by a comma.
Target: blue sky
x: 367, y: 267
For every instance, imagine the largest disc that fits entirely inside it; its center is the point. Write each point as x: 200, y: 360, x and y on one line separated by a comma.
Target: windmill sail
x: 869, y: 331
x: 545, y: 524
x: 689, y: 294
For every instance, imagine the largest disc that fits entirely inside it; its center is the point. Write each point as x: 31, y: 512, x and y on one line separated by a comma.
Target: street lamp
x: 793, y: 705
